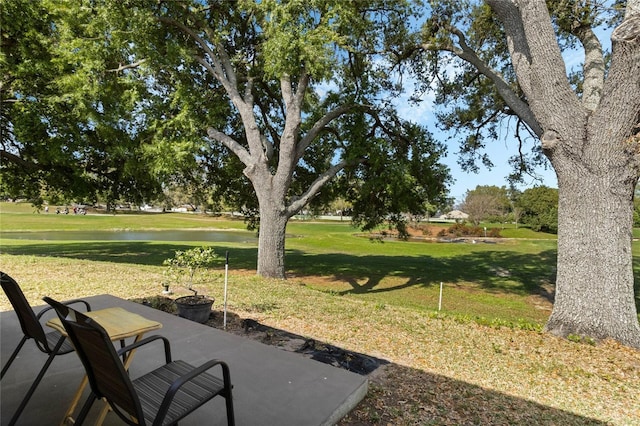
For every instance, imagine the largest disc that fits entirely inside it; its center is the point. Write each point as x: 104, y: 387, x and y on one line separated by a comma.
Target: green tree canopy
x: 70, y: 123
x: 540, y: 208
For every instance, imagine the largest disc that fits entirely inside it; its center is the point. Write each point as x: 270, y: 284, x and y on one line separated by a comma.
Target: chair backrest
x: 29, y: 323
x: 105, y: 371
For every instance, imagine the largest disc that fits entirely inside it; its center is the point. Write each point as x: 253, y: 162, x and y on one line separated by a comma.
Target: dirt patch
x: 252, y: 329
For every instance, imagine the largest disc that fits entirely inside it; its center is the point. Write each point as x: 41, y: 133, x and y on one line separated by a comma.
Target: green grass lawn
x: 23, y: 217
x: 505, y: 281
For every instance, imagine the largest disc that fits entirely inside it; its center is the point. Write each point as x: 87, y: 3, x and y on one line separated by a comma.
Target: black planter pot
x: 194, y: 308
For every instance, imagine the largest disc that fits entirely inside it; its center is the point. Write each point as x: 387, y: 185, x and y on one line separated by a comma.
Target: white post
x: 440, y: 300
x: 226, y: 275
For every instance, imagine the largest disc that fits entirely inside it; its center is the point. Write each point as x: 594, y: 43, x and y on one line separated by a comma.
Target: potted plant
x: 183, y: 266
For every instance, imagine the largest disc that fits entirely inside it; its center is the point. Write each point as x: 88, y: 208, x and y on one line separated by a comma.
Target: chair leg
x: 33, y: 387
x: 85, y: 409
x: 13, y: 356
x: 231, y: 421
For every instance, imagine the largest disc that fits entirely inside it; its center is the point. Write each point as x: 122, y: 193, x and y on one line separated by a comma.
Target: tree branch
x: 290, y: 133
x: 594, y: 68
x: 319, y: 126
x: 267, y: 145
x: 298, y: 203
x: 19, y: 161
x: 232, y: 144
x: 303, y: 83
x: 466, y: 53
x: 632, y: 8
x: 624, y: 73
x: 216, y: 70
x: 538, y: 63
x: 287, y: 90
x: 220, y: 66
x: 128, y: 66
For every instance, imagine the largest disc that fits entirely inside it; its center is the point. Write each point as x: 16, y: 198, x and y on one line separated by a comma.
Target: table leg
x: 103, y: 413
x: 68, y: 416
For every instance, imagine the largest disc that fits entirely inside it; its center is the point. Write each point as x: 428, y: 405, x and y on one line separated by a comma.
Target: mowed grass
x: 505, y: 282
x: 483, y: 357
x: 24, y: 217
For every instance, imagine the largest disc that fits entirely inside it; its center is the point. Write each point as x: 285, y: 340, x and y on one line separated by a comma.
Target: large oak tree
x: 271, y: 61
x: 510, y: 64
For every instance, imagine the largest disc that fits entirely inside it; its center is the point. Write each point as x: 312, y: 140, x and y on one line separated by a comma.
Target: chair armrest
x: 68, y: 302
x: 185, y: 378
x: 74, y: 301
x: 167, y: 346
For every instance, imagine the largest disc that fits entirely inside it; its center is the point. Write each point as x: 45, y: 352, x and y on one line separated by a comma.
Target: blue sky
x: 499, y: 151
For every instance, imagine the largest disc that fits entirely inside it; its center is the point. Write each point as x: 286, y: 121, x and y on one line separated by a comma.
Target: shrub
x: 464, y: 230
x: 186, y: 263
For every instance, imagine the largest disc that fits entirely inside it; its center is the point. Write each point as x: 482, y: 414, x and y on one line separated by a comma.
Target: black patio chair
x: 51, y: 343
x: 160, y: 397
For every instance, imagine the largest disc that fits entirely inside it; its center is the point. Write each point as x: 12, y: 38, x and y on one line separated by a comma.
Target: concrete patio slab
x: 271, y: 386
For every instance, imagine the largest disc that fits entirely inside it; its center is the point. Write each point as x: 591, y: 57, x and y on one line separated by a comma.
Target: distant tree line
x: 535, y: 207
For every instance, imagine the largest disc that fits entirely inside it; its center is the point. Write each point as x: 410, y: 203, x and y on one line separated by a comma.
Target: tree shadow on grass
x: 133, y: 252
x: 494, y: 270
x: 501, y: 271
x: 404, y: 395
x: 399, y: 394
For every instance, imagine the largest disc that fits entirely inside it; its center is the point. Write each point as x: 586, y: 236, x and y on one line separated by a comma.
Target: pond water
x: 174, y: 235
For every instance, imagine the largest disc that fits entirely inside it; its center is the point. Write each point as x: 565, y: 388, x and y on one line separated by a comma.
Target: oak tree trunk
x: 594, y: 284
x: 593, y: 144
x: 271, y: 240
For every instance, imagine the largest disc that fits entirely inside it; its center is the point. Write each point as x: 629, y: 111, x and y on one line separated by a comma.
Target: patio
x: 271, y: 386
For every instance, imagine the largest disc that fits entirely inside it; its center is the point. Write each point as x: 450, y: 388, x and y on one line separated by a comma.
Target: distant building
x: 455, y: 215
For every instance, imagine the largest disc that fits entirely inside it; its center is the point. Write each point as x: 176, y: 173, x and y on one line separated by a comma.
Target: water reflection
x: 174, y: 235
